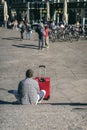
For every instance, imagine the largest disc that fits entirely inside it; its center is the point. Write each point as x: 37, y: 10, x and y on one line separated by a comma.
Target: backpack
x: 22, y: 28
x: 43, y: 32
x: 28, y: 29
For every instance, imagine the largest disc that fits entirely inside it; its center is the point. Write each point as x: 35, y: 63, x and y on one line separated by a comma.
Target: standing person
x: 22, y: 28
x: 28, y: 31
x: 52, y: 26
x: 28, y: 90
x: 41, y: 34
x: 47, y: 36
x: 15, y: 26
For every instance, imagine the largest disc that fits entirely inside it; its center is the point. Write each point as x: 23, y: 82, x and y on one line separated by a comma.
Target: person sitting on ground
x: 29, y: 91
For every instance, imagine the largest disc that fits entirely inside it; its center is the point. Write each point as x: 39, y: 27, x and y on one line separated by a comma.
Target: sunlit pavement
x: 66, y: 65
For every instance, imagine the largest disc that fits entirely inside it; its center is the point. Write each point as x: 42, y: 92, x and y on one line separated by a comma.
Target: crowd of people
x: 43, y: 30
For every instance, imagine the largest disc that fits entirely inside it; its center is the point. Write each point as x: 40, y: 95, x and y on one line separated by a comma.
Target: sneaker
x: 41, y: 96
x: 40, y: 100
x: 47, y: 46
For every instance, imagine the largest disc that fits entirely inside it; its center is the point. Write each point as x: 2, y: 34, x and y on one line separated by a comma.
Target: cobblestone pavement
x: 66, y: 65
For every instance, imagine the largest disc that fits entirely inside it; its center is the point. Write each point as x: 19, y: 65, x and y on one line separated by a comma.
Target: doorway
x: 72, y: 16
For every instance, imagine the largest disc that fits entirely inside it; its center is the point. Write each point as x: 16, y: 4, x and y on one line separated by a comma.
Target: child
x: 47, y: 36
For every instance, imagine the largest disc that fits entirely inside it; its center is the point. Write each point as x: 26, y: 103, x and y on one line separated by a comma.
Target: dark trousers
x: 21, y: 35
x: 41, y: 42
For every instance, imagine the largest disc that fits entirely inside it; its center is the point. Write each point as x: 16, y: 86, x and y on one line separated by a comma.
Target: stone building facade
x: 37, y: 10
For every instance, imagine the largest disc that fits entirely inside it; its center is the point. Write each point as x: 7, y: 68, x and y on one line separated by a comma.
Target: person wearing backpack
x: 41, y: 35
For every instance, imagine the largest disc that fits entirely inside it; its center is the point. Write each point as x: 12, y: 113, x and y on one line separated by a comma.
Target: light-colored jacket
x: 28, y: 90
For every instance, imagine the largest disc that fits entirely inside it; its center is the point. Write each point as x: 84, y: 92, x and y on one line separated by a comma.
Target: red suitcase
x: 43, y: 81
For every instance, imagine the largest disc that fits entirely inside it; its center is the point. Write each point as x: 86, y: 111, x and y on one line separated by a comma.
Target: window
x: 76, y: 0
x: 81, y: 0
x: 61, y: 1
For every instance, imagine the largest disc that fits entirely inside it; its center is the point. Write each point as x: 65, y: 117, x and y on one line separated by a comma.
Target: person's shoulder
x: 21, y: 81
x: 34, y: 81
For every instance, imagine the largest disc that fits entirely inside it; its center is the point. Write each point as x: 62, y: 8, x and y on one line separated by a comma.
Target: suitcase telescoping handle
x: 42, y: 78
x: 42, y: 66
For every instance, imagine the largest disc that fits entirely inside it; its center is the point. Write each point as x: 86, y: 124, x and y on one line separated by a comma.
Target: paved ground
x: 66, y: 64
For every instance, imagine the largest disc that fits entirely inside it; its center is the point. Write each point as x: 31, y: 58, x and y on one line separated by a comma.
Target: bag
x: 22, y: 28
x: 28, y: 28
x: 43, y: 81
x: 43, y: 32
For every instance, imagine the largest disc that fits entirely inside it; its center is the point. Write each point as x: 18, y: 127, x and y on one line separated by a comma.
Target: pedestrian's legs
x: 39, y: 43
x: 43, y: 42
x: 47, y: 42
x: 21, y: 35
x: 28, y: 35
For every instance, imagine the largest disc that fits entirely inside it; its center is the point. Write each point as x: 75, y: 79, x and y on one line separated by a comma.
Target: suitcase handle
x: 42, y: 78
x: 42, y: 66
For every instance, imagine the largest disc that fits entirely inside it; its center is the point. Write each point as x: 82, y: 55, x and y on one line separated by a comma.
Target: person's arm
x: 19, y: 88
x: 37, y: 87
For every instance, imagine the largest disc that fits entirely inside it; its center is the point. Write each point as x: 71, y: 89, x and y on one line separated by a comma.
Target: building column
x: 48, y: 11
x: 28, y: 12
x: 5, y: 12
x: 65, y: 15
x: 40, y: 14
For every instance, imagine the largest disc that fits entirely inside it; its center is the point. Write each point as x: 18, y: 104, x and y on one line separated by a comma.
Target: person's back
x: 28, y: 90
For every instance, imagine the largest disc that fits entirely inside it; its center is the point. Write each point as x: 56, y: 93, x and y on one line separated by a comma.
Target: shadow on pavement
x: 9, y: 103
x: 54, y: 104
x: 12, y: 38
x: 26, y: 46
x: 3, y: 89
x: 71, y: 104
x: 65, y: 104
x: 2, y: 102
x: 59, y: 104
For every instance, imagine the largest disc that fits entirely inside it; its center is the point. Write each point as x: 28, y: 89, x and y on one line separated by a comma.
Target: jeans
x: 28, y: 35
x: 41, y: 42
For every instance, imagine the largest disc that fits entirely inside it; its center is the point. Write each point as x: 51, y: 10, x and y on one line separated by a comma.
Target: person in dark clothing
x: 41, y: 34
x: 22, y: 29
